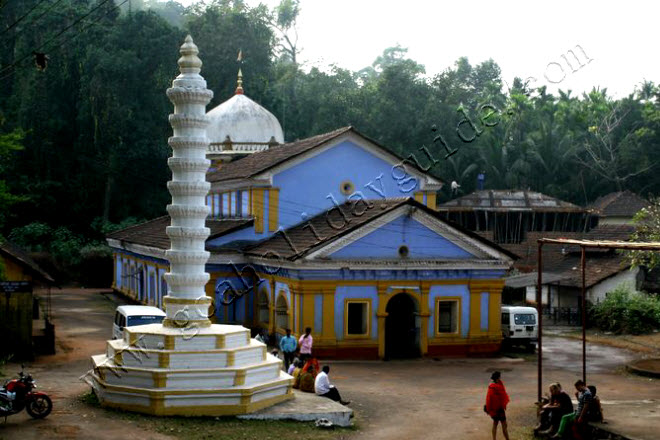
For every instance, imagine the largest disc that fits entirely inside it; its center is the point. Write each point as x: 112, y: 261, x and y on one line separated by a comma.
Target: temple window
x: 357, y: 318
x: 448, y: 317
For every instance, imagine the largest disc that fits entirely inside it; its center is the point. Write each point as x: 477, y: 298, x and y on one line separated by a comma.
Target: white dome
x: 243, y: 120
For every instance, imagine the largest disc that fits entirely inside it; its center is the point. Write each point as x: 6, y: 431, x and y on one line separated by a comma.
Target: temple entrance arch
x: 402, y: 327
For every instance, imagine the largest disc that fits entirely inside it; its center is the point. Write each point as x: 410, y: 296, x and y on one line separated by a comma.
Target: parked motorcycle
x: 17, y: 394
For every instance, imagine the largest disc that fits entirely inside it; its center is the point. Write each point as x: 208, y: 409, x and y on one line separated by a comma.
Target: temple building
x: 334, y: 232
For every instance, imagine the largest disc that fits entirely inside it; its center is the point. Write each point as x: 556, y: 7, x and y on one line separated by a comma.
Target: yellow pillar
x: 475, y: 313
x: 431, y: 199
x: 273, y: 209
x: 258, y: 209
x: 381, y: 315
x: 419, y: 196
x: 381, y: 333
x: 494, y: 313
x: 308, y: 311
x: 328, y: 333
x: 271, y: 308
x: 424, y: 314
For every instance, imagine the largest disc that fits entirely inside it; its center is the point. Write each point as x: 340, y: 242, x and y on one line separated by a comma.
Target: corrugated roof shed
x: 509, y: 200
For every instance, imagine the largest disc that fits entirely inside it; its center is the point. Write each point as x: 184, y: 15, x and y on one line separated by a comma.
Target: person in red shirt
x: 496, y: 401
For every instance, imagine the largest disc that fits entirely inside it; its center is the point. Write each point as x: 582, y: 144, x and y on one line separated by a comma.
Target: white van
x: 128, y: 316
x: 520, y: 326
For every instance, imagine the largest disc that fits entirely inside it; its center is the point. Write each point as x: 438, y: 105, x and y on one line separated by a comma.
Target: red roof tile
x: 619, y: 204
x: 152, y: 233
x: 261, y: 161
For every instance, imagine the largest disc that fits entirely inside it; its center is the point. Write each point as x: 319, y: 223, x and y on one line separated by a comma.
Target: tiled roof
x: 330, y: 225
x: 24, y: 259
x: 261, y: 161
x: 152, y: 233
x: 509, y: 200
x: 564, y: 264
x: 619, y: 204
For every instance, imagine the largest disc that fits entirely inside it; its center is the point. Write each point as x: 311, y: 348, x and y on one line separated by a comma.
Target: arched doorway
x: 402, y: 327
x: 281, y: 313
x: 263, y: 308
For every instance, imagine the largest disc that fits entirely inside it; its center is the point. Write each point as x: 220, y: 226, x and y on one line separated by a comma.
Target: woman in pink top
x: 305, y: 343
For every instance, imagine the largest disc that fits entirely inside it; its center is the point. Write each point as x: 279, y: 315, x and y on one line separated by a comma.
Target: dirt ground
x: 83, y: 322
x: 649, y: 344
x: 423, y: 398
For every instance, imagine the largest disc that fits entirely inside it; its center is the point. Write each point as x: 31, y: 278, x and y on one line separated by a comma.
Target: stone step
x: 216, y: 336
x: 154, y: 378
x: 136, y: 356
x: 193, y: 402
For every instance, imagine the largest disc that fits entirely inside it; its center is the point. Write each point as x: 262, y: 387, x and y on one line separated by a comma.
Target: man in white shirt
x: 324, y: 389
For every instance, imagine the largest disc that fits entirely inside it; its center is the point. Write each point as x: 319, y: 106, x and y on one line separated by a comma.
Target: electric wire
x: 59, y: 46
x: 52, y: 5
x: 59, y: 34
x: 21, y: 18
x: 318, y: 209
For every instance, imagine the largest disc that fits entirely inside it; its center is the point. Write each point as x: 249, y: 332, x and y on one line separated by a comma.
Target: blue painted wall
x: 461, y: 291
x: 234, y: 312
x: 318, y: 313
x: 305, y: 188
x: 313, y: 186
x: 485, y: 298
x: 355, y: 292
x: 384, y: 242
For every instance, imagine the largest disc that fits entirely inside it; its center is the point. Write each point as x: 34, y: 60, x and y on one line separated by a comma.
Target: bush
x: 627, y: 311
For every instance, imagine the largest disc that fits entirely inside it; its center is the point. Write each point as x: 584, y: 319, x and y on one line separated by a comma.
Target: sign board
x: 15, y: 286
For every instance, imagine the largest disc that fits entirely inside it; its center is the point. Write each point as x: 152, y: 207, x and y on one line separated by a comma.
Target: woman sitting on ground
x: 307, y: 379
x: 312, y: 363
x: 296, y: 374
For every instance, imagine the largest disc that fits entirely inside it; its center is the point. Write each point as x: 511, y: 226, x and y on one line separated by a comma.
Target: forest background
x: 83, y: 142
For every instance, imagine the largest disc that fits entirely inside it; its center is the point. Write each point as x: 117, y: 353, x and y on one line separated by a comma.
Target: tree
x: 647, y: 229
x: 9, y: 144
x: 608, y: 136
x: 284, y: 20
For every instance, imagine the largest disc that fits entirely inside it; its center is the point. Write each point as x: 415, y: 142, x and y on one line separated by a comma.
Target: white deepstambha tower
x: 186, y: 365
x: 186, y: 303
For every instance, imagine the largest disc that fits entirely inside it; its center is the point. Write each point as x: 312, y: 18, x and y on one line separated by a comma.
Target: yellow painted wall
x: 258, y: 209
x: 306, y: 290
x: 14, y: 271
x: 273, y: 209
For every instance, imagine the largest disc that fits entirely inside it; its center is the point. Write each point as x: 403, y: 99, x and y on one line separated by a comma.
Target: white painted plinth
x: 216, y: 370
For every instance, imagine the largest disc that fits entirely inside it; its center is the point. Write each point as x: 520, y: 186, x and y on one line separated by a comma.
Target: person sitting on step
x: 323, y: 387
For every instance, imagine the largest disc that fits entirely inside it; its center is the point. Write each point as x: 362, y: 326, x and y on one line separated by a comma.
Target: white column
x: 186, y: 302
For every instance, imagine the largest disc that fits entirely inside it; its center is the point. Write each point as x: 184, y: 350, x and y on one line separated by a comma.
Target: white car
x: 129, y: 316
x: 520, y: 326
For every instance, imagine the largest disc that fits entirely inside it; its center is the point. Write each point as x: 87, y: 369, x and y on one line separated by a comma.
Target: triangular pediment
x: 408, y: 233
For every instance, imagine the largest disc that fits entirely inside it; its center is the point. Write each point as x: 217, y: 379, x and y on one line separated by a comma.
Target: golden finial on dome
x: 189, y: 61
x: 239, y: 81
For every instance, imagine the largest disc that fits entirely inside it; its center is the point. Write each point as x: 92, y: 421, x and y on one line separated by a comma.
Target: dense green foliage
x: 626, y: 311
x: 83, y: 142
x: 647, y: 229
